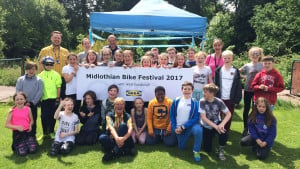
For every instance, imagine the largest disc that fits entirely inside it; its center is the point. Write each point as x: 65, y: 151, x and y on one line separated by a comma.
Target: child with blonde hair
x: 202, y: 75
x: 146, y: 61
x: 250, y: 70
x: 163, y: 60
x: 139, y: 121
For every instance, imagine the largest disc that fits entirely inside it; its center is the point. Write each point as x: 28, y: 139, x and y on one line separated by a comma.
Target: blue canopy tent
x: 150, y: 18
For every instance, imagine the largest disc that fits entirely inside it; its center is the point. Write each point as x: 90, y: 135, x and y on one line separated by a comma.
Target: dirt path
x: 7, y: 92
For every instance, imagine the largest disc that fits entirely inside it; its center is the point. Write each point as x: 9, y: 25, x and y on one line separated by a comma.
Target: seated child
x: 210, y: 108
x: 90, y: 117
x: 262, y: 129
x: 139, y: 121
x: 107, y: 105
x: 68, y: 128
x: 184, y: 117
x: 20, y: 120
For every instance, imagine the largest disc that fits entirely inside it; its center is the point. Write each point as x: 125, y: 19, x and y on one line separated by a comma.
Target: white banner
x: 132, y: 82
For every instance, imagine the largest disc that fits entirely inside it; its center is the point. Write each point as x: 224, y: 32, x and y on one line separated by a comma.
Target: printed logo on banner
x: 134, y: 93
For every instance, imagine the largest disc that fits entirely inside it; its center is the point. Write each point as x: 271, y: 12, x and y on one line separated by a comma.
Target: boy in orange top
x: 158, y: 119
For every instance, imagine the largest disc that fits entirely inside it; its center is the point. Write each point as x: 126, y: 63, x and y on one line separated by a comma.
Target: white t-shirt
x: 183, y: 111
x: 71, y: 86
x: 226, y: 82
x: 66, y: 124
x: 200, y: 76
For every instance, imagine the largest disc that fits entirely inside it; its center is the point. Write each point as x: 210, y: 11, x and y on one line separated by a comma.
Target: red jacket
x: 273, y: 80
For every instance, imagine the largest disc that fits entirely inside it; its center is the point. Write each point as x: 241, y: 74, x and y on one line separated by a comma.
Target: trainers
x: 222, y: 154
x: 245, y: 133
x: 197, y: 157
x: 109, y: 156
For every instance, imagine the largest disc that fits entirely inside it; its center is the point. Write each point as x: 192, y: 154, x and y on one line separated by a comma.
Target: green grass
x: 285, y: 153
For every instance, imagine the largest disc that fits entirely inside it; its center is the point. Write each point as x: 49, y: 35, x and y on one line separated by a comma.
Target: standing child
x: 228, y: 79
x: 184, y: 117
x: 163, y: 60
x: 180, y: 61
x: 191, y: 57
x: 118, y: 57
x: 69, y: 74
x: 146, y: 61
x: 90, y: 117
x: 32, y: 86
x: 68, y: 127
x: 139, y: 121
x: 172, y: 55
x: 268, y: 82
x: 20, y: 120
x: 262, y: 128
x: 210, y: 108
x: 90, y: 60
x: 51, y: 95
x: 106, y: 56
x: 250, y: 70
x: 201, y: 75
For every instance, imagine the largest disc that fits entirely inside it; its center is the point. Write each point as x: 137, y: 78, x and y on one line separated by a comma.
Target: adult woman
x: 214, y: 61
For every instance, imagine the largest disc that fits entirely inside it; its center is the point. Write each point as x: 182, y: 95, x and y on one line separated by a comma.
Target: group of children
x: 205, y: 108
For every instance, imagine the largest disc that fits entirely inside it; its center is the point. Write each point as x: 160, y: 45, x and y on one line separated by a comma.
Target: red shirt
x: 273, y: 80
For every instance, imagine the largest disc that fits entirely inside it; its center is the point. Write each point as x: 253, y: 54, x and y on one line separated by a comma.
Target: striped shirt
x: 59, y: 55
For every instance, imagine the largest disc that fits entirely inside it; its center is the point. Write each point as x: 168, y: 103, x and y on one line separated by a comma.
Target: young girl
x: 215, y: 60
x: 262, y: 128
x: 106, y: 56
x: 20, y: 120
x: 163, y: 60
x: 90, y: 117
x: 91, y: 59
x: 68, y: 128
x: 201, y: 75
x: 118, y: 58
x: 250, y: 70
x: 139, y: 121
x: 180, y: 61
x: 128, y: 59
x: 146, y: 61
x: 69, y: 74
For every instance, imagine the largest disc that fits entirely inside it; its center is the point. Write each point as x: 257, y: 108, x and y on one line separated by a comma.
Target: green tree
x: 2, y: 30
x: 220, y: 27
x: 29, y: 25
x: 277, y: 27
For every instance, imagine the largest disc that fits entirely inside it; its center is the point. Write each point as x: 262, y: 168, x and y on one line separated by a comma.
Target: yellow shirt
x: 158, y: 115
x: 59, y: 55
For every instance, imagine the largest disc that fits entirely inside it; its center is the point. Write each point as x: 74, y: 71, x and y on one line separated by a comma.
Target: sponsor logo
x: 133, y: 93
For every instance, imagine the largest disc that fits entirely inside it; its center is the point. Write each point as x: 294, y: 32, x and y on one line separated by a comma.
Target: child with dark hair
x: 268, y: 82
x: 210, y: 108
x: 139, y: 121
x: 262, y: 129
x: 158, y: 119
x: 90, y: 117
x: 68, y: 128
x: 107, y: 105
x: 20, y: 120
x: 32, y: 86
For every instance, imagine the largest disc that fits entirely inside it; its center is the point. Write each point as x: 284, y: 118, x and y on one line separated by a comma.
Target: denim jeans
x: 183, y: 137
x: 169, y: 140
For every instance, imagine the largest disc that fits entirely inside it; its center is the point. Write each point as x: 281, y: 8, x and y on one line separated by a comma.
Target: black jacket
x: 236, y: 89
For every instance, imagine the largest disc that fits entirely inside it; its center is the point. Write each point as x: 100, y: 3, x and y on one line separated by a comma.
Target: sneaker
x: 245, y: 133
x: 222, y: 154
x: 109, y: 156
x: 197, y: 157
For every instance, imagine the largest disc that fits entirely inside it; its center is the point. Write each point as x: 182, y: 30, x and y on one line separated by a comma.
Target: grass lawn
x: 285, y: 152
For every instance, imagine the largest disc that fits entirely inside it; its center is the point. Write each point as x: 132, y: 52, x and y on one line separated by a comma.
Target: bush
x: 9, y: 75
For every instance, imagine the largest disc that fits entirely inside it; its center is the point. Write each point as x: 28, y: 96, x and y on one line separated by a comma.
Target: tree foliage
x: 29, y: 25
x: 2, y: 30
x: 277, y: 26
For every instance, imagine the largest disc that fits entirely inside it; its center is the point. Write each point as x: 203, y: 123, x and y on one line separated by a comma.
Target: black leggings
x: 261, y: 152
x: 248, y: 100
x: 208, y: 135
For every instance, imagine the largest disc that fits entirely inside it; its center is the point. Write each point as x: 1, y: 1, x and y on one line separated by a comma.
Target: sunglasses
x: 48, y: 64
x: 256, y: 53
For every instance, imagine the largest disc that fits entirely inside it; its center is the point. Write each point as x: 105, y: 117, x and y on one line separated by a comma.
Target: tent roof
x: 151, y: 17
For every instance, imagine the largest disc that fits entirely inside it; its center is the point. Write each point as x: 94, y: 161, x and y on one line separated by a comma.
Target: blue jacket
x: 259, y: 130
x: 194, y: 114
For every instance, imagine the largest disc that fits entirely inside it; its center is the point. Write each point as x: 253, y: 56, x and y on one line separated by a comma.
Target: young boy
x: 210, y: 108
x: 229, y: 81
x: 268, y: 82
x: 184, y: 117
x: 158, y: 119
x: 191, y: 57
x: 68, y: 128
x: 51, y: 95
x: 172, y: 55
x: 107, y: 105
x: 32, y: 86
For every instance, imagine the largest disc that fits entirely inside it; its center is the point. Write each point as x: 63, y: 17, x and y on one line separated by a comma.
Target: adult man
x: 59, y: 55
x: 112, y: 44
x: 56, y: 51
